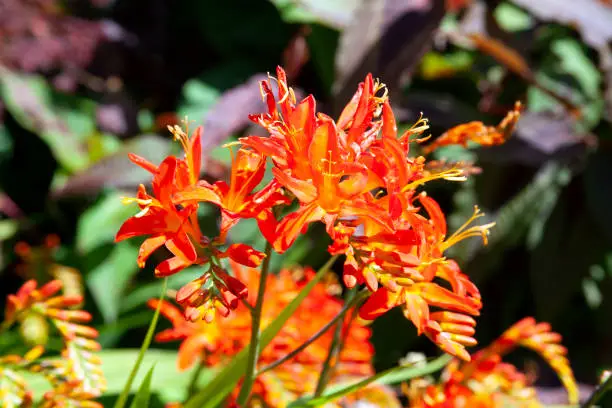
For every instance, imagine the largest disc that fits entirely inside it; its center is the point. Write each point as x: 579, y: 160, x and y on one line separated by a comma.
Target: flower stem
x: 193, y: 384
x: 121, y: 401
x: 254, y: 348
x: 334, y: 348
x: 602, y: 388
x: 314, y: 337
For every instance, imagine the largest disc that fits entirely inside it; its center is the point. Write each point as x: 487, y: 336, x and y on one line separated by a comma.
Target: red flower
x: 167, y: 224
x: 488, y: 382
x: 236, y: 199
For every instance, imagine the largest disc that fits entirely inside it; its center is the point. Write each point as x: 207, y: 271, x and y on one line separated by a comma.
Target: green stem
x: 248, y: 305
x: 122, y: 400
x: 602, y: 388
x: 334, y: 348
x: 254, y: 347
x: 315, y: 336
x: 193, y: 384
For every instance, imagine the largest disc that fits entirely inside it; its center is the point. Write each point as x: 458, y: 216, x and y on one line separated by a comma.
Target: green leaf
x: 8, y: 228
x: 142, y: 397
x: 574, y: 61
x: 99, y: 224
x: 6, y: 146
x: 142, y: 352
x: 512, y: 18
x: 29, y: 99
x: 571, y: 244
x: 168, y: 383
x: 517, y: 218
x: 333, y: 13
x: 199, y: 98
x: 392, y: 376
x: 225, y: 381
x: 323, y: 44
x: 115, y: 272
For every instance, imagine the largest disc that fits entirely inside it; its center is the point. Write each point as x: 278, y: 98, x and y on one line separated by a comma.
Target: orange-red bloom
x: 356, y: 176
x: 236, y: 199
x: 169, y: 218
x: 167, y: 224
x: 212, y: 344
x: 478, y: 132
x: 488, y: 382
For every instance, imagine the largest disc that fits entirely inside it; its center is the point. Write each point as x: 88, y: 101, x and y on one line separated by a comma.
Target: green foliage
x: 225, y: 381
x: 548, y: 189
x: 142, y: 397
x: 394, y: 375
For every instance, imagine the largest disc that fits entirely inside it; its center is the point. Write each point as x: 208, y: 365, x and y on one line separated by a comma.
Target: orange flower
x: 314, y: 158
x: 478, y: 132
x: 236, y: 200
x: 356, y: 176
x: 215, y: 343
x: 166, y: 223
x: 169, y: 217
x: 488, y: 382
x: 46, y: 303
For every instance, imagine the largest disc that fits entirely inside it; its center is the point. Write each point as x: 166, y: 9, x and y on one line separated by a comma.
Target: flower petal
x: 170, y: 266
x: 244, y: 255
x: 149, y: 246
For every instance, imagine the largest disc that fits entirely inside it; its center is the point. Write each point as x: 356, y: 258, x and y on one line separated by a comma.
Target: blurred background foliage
x: 83, y: 82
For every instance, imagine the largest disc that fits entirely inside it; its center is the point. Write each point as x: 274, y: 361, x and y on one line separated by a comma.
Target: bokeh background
x: 82, y: 83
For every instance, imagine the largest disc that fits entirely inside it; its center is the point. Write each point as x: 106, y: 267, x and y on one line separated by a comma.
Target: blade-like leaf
x: 100, y: 222
x: 168, y: 383
x: 142, y: 397
x: 115, y: 271
x: 141, y: 354
x: 226, y: 380
x: 391, y: 376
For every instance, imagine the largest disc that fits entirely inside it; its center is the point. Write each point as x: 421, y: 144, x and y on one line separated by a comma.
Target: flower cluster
x: 354, y: 175
x: 214, y: 344
x: 39, y: 263
x: 77, y: 378
x: 488, y: 382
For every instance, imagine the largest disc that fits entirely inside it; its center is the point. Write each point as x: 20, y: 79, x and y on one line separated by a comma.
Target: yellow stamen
x: 179, y: 134
x: 231, y: 144
x: 450, y: 174
x: 139, y: 201
x: 421, y: 125
x: 464, y: 232
x: 146, y: 203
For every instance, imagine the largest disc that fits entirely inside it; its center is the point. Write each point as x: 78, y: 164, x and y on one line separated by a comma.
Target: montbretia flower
x: 215, y: 343
x: 236, y: 199
x: 488, y: 382
x: 43, y: 301
x: 166, y: 223
x: 357, y: 177
x: 79, y: 371
x: 478, y: 132
x: 169, y: 218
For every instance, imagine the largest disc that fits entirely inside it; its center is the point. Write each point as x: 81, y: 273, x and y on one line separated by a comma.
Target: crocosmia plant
x: 355, y: 175
x: 297, y: 337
